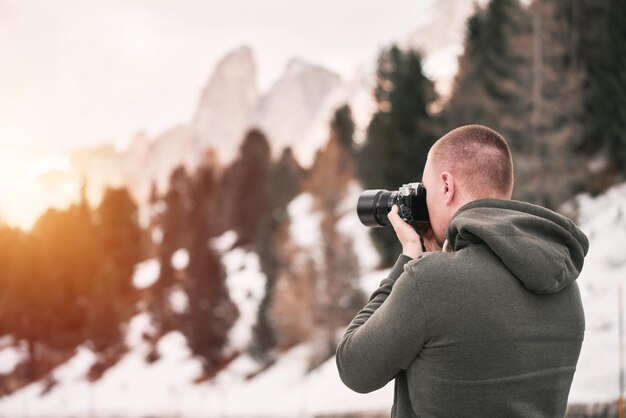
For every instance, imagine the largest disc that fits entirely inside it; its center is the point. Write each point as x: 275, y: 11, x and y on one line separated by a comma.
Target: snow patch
x: 133, y: 388
x: 157, y: 235
x: 11, y: 356
x: 139, y: 326
x: 224, y: 242
x: 178, y: 300
x: 603, y: 220
x: 305, y: 221
x: 146, y: 273
x: 77, y: 367
x: 180, y: 259
x: 350, y: 225
x: 371, y: 281
x: 246, y: 285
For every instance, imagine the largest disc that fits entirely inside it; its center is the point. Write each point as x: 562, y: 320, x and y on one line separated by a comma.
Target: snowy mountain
x: 226, y: 105
x: 295, y: 113
x: 291, y: 108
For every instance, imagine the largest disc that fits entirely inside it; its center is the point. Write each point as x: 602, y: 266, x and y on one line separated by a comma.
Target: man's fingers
x: 407, y: 236
x: 398, y: 224
x: 394, y: 217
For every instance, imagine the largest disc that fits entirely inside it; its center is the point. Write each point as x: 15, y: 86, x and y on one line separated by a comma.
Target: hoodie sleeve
x: 386, y: 335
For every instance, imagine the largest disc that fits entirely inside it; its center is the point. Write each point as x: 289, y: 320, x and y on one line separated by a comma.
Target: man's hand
x: 410, y: 240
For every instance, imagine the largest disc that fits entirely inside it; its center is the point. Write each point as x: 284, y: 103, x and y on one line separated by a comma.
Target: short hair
x: 481, y: 156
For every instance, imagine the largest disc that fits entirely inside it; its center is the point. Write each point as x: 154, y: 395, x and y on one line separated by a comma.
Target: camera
x: 374, y: 205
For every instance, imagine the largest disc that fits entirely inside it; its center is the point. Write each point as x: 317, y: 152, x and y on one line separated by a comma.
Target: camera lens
x: 374, y: 205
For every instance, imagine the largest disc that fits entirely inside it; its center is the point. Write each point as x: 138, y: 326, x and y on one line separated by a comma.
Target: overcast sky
x: 79, y: 72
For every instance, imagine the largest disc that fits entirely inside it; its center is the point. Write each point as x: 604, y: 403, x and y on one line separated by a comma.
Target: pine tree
x: 120, y: 232
x: 491, y: 87
x: 338, y: 296
x: 343, y: 127
x: 556, y: 105
x: 211, y: 312
x: 282, y: 184
x: 400, y: 133
x: 244, y: 188
x: 601, y: 48
x: 111, y: 291
x: 175, y: 224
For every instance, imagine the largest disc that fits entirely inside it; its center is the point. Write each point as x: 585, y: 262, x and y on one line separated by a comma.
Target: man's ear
x: 448, y: 187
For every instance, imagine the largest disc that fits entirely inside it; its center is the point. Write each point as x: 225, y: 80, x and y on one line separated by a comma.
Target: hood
x: 543, y: 249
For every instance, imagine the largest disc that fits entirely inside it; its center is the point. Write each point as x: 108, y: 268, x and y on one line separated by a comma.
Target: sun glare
x: 28, y: 186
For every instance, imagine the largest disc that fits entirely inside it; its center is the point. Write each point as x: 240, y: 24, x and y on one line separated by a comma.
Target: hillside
x: 245, y: 387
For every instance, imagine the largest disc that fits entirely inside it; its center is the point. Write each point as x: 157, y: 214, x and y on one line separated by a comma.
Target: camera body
x: 373, y: 206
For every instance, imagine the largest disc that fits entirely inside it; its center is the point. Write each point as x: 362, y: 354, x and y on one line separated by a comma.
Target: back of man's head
x: 479, y: 158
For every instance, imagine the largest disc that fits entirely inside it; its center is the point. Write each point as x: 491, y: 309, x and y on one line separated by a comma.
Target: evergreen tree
x: 9, y: 304
x: 601, y: 49
x: 106, y: 311
x: 120, y: 233
x: 400, y: 133
x: 211, y: 312
x: 175, y: 226
x: 111, y: 292
x: 282, y: 184
x: 555, y: 107
x: 254, y: 200
x: 491, y: 86
x: 338, y: 296
x: 244, y: 189
x: 343, y: 127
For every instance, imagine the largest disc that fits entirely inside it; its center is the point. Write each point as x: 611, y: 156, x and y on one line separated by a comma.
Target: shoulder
x: 442, y: 269
x: 431, y: 263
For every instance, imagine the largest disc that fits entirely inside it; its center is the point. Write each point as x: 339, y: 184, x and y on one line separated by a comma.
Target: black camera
x: 374, y: 205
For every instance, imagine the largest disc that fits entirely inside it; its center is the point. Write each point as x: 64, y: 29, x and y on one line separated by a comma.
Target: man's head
x: 469, y: 163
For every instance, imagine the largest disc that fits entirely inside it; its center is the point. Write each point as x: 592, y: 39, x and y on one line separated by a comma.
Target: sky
x: 83, y: 73
x: 77, y: 73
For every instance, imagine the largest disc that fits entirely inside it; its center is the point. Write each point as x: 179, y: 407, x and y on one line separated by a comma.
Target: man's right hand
x: 408, y: 237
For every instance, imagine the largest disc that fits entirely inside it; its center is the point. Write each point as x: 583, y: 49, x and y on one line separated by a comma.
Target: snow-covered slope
x: 603, y: 219
x: 164, y: 388
x: 132, y: 388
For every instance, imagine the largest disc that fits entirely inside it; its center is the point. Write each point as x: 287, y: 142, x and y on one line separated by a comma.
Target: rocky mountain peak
x: 226, y: 104
x: 293, y: 107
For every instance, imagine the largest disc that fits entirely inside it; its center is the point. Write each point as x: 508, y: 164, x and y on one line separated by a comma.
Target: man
x: 491, y: 327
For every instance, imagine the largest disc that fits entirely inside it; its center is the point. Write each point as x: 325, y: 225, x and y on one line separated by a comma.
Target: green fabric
x: 492, y: 329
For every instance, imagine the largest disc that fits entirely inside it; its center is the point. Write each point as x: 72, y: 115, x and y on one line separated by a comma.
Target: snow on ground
x: 178, y: 300
x: 246, y: 286
x: 180, y: 259
x: 305, y: 229
x: 305, y: 226
x: 10, y: 355
x: 350, y: 225
x: 133, y: 388
x: 146, y: 273
x: 603, y: 219
x: 224, y: 242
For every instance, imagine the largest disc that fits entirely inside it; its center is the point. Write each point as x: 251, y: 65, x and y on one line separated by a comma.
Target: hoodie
x: 492, y: 329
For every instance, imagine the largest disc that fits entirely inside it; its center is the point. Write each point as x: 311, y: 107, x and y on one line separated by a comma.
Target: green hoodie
x: 491, y: 329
